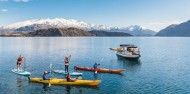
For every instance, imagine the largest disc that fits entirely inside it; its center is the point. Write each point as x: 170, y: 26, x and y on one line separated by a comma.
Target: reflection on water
x: 19, y: 82
x: 95, y: 76
x: 45, y: 87
x: 68, y: 89
x: 130, y: 65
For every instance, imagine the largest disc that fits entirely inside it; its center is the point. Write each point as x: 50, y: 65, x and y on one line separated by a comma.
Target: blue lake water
x: 163, y: 68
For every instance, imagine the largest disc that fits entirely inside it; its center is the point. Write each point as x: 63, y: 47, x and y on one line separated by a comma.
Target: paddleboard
x: 71, y: 73
x: 22, y: 72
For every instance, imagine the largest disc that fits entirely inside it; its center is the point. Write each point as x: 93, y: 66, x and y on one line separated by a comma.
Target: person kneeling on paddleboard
x: 69, y: 79
x: 67, y: 63
x: 45, y: 75
x: 19, y: 61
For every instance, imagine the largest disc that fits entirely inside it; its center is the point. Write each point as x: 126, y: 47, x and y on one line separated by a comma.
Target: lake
x: 162, y: 69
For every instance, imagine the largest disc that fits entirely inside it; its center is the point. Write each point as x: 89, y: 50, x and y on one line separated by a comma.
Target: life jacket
x: 19, y: 59
x: 66, y: 60
x: 68, y: 78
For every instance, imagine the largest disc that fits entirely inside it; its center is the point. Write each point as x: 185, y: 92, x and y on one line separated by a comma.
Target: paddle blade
x: 51, y: 65
x: 80, y: 77
x: 96, y: 72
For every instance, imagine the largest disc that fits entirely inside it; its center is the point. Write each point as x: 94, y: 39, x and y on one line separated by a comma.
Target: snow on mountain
x: 57, y: 23
x: 37, y: 24
x: 1, y: 28
x: 135, y: 30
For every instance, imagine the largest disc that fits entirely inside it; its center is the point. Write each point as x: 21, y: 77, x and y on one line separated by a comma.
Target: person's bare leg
x: 20, y: 68
x: 17, y: 67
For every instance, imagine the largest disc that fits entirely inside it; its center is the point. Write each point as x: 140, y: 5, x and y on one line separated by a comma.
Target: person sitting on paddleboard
x: 96, y: 65
x: 69, y: 79
x: 19, y: 61
x: 67, y: 63
x: 45, y: 75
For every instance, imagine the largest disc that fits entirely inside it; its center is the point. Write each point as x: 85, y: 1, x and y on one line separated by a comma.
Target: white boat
x: 129, y: 51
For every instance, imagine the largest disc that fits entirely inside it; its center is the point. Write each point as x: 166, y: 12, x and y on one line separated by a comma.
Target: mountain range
x: 135, y: 30
x: 44, y: 24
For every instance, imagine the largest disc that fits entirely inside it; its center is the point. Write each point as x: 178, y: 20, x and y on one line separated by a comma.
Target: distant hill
x: 113, y: 34
x: 181, y: 30
x: 59, y: 32
x: 73, y: 32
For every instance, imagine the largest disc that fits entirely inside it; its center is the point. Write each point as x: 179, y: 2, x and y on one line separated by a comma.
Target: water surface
x: 163, y: 68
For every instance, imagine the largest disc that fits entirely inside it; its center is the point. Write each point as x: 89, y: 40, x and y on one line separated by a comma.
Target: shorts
x: 18, y: 63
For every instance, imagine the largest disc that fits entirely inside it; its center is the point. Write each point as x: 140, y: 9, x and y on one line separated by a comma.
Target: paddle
x: 24, y: 63
x: 79, y: 77
x: 50, y: 66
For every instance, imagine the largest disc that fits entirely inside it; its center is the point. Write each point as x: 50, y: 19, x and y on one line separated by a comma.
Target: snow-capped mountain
x: 55, y: 23
x: 1, y: 28
x: 135, y: 30
x: 37, y: 24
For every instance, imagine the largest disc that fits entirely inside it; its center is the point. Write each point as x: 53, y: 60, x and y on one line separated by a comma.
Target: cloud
x: 3, y: 0
x: 22, y: 0
x: 4, y: 10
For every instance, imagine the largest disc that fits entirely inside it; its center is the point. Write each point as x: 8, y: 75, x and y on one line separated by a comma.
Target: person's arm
x: 23, y: 58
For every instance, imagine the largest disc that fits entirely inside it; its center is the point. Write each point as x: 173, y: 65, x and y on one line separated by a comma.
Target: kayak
x: 71, y: 73
x: 116, y: 49
x: 22, y: 72
x: 57, y: 81
x: 99, y: 69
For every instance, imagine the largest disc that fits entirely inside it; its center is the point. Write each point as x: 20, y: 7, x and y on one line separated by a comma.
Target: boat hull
x: 130, y: 57
x: 103, y: 70
x: 56, y: 81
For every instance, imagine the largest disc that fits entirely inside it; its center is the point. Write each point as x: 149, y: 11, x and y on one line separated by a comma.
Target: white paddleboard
x: 22, y: 72
x: 71, y: 73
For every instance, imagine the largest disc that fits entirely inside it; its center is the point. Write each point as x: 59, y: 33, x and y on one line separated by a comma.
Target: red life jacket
x: 19, y: 59
x: 66, y: 60
x: 68, y: 78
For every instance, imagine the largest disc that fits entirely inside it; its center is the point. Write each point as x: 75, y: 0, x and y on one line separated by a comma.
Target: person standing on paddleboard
x: 19, y: 61
x: 67, y: 59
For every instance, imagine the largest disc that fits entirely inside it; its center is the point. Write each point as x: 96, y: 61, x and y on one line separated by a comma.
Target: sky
x: 151, y: 14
